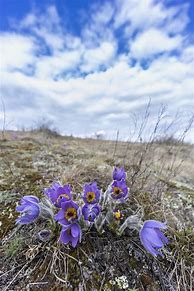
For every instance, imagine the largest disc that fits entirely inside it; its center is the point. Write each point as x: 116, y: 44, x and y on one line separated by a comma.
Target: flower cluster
x: 91, y: 197
x: 94, y: 208
x: 119, y: 188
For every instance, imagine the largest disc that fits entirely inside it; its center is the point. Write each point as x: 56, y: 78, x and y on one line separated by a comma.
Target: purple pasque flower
x: 69, y: 213
x: 51, y: 192
x: 58, y: 193
x: 71, y: 234
x: 152, y: 238
x: 91, y: 193
x: 118, y: 174
x: 64, y: 194
x: 29, y: 209
x: 119, y: 189
x: 90, y: 212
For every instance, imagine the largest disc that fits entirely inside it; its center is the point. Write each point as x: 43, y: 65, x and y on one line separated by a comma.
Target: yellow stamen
x: 90, y: 196
x: 70, y: 213
x: 117, y: 191
x: 117, y: 214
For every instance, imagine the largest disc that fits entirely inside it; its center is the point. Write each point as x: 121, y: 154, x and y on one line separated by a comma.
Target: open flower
x: 90, y: 212
x: 152, y: 237
x: 91, y: 193
x: 118, y: 174
x: 58, y: 194
x: 64, y: 194
x: 119, y: 190
x: 29, y: 209
x: 69, y: 213
x: 71, y: 234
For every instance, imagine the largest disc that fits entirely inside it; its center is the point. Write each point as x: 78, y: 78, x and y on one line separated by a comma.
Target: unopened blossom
x: 51, y: 192
x: 119, y: 174
x: 44, y: 235
x: 71, y: 234
x: 69, y: 213
x: 29, y: 209
x: 119, y: 190
x: 91, y: 193
x: 90, y: 212
x: 152, y: 238
x: 58, y: 193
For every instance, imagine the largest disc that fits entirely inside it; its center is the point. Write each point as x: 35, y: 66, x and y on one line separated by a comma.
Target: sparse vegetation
x: 161, y: 187
x: 47, y: 128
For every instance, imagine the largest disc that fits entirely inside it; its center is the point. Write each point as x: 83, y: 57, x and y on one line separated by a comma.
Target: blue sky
x: 89, y: 65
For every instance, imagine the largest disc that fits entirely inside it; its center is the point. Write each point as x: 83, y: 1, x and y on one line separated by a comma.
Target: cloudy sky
x: 89, y: 65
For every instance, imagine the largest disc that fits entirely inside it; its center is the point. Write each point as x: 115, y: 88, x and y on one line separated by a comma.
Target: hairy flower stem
x: 106, y: 196
x: 133, y: 222
x: 99, y: 222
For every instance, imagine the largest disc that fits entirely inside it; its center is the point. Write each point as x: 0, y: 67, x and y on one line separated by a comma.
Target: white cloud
x: 17, y: 51
x: 55, y: 42
x: 29, y: 20
x: 152, y: 42
x: 50, y: 19
x: 104, y: 13
x: 142, y: 15
x: 90, y: 81
x: 99, y: 56
x: 188, y: 54
x: 106, y: 98
x: 139, y: 14
x: 55, y: 66
x: 98, y: 28
x: 46, y: 26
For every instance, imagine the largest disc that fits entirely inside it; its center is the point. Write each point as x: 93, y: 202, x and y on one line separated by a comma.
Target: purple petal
x: 64, y: 222
x: 155, y: 224
x: 59, y: 215
x: 56, y: 185
x: 66, y: 189
x: 64, y: 236
x: 148, y: 246
x: 75, y: 230
x: 20, y: 208
x: 94, y: 185
x: 163, y: 238
x: 119, y: 173
x: 87, y: 188
x: 149, y: 234
x: 96, y: 209
x: 25, y: 219
x: 52, y: 192
x: 74, y: 241
x: 85, y: 210
x: 30, y: 198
